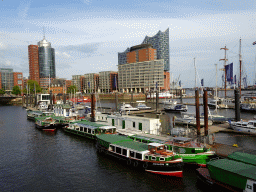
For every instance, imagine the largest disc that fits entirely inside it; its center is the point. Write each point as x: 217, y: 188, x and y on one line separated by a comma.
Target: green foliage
x: 31, y: 85
x: 2, y: 91
x: 16, y: 90
x: 71, y: 89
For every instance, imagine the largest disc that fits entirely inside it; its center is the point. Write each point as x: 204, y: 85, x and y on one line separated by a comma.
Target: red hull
x: 202, y: 165
x: 52, y: 130
x: 172, y: 173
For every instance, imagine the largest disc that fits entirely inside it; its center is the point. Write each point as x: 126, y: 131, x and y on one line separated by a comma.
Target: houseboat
x: 45, y: 123
x: 151, y: 157
x: 88, y: 129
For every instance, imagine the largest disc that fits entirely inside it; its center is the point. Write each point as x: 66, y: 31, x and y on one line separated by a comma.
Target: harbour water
x: 32, y: 160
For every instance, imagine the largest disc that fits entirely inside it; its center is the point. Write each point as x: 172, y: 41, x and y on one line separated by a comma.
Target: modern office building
x: 77, y: 80
x: 46, y: 58
x: 91, y: 82
x: 42, y: 63
x: 9, y: 79
x: 33, y: 63
x: 160, y: 42
x: 108, y: 81
x: 141, y: 76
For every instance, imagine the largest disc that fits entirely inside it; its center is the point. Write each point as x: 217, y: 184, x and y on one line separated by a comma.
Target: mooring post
x: 237, y: 105
x: 157, y: 98
x: 26, y: 100
x: 197, y: 112
x: 92, y: 107
x: 205, y: 113
x: 181, y: 97
x: 116, y: 97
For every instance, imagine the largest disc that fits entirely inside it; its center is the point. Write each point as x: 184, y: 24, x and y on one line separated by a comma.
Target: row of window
x: 124, y: 152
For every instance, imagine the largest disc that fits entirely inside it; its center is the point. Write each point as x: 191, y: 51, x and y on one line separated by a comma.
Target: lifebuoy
x: 135, y: 163
x: 128, y: 162
x: 145, y: 165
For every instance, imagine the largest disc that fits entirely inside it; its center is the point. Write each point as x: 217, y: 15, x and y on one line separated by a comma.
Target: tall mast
x: 225, y: 63
x: 240, y: 67
x: 216, y: 89
x: 195, y: 71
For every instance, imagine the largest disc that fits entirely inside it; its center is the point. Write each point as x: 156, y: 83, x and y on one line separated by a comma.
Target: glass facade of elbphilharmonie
x: 160, y: 42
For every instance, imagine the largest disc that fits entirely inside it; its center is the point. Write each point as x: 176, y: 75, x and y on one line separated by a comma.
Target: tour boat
x: 151, y: 157
x: 45, y: 123
x: 192, y: 152
x: 88, y: 129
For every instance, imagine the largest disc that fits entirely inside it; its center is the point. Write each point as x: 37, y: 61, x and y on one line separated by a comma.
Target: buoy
x: 235, y: 145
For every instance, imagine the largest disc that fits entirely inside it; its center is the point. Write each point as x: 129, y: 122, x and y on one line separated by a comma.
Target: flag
x: 235, y: 79
x: 245, y: 82
x: 180, y: 83
x: 156, y: 85
x: 202, y: 82
x: 229, y: 72
x: 88, y: 84
x: 254, y: 43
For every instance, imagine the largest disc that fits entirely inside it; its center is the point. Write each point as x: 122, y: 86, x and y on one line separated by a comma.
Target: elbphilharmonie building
x: 160, y: 42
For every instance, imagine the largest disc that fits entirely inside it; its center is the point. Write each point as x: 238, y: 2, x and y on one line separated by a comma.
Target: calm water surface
x: 32, y: 160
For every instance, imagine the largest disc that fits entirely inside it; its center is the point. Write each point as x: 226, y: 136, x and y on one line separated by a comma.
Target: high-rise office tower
x: 33, y: 63
x: 46, y: 59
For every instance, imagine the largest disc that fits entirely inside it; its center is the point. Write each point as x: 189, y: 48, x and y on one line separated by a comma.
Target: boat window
x: 81, y: 129
x: 133, y: 124
x: 153, y: 158
x: 125, y: 152
x: 146, y: 157
x: 89, y: 131
x: 161, y: 159
x: 132, y: 154
x: 118, y: 150
x: 85, y: 130
x: 193, y: 151
x: 114, y: 148
x: 92, y: 132
x: 138, y: 156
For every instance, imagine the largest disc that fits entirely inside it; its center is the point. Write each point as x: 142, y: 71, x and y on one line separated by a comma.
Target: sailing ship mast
x: 240, y: 67
x: 195, y: 71
x: 216, y: 90
x: 225, y: 61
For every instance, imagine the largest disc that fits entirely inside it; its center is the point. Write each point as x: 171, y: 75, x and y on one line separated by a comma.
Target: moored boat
x: 88, y: 129
x: 176, y: 108
x: 229, y: 174
x: 192, y: 152
x: 142, y: 106
x: 45, y: 123
x: 244, y: 126
x: 151, y: 157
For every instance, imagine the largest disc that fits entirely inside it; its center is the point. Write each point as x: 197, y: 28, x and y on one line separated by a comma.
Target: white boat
x: 244, y: 126
x: 169, y: 102
x: 161, y: 95
x: 142, y: 106
x: 176, y: 108
x: 189, y: 119
x: 128, y: 107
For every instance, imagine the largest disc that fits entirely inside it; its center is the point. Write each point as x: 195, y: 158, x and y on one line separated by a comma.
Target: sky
x: 88, y: 34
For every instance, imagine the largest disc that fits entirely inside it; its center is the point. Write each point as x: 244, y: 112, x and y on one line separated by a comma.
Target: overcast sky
x: 88, y: 34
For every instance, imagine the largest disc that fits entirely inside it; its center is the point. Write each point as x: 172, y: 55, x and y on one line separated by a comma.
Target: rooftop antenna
x: 44, y: 33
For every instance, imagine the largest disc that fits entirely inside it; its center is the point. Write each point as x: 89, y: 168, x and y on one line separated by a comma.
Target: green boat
x: 230, y: 174
x: 88, y: 129
x: 151, y: 157
x: 191, y: 152
x: 243, y: 157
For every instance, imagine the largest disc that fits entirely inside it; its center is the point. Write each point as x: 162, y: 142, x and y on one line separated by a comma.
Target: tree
x: 31, y: 84
x: 2, y: 91
x: 16, y: 90
x: 71, y: 89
